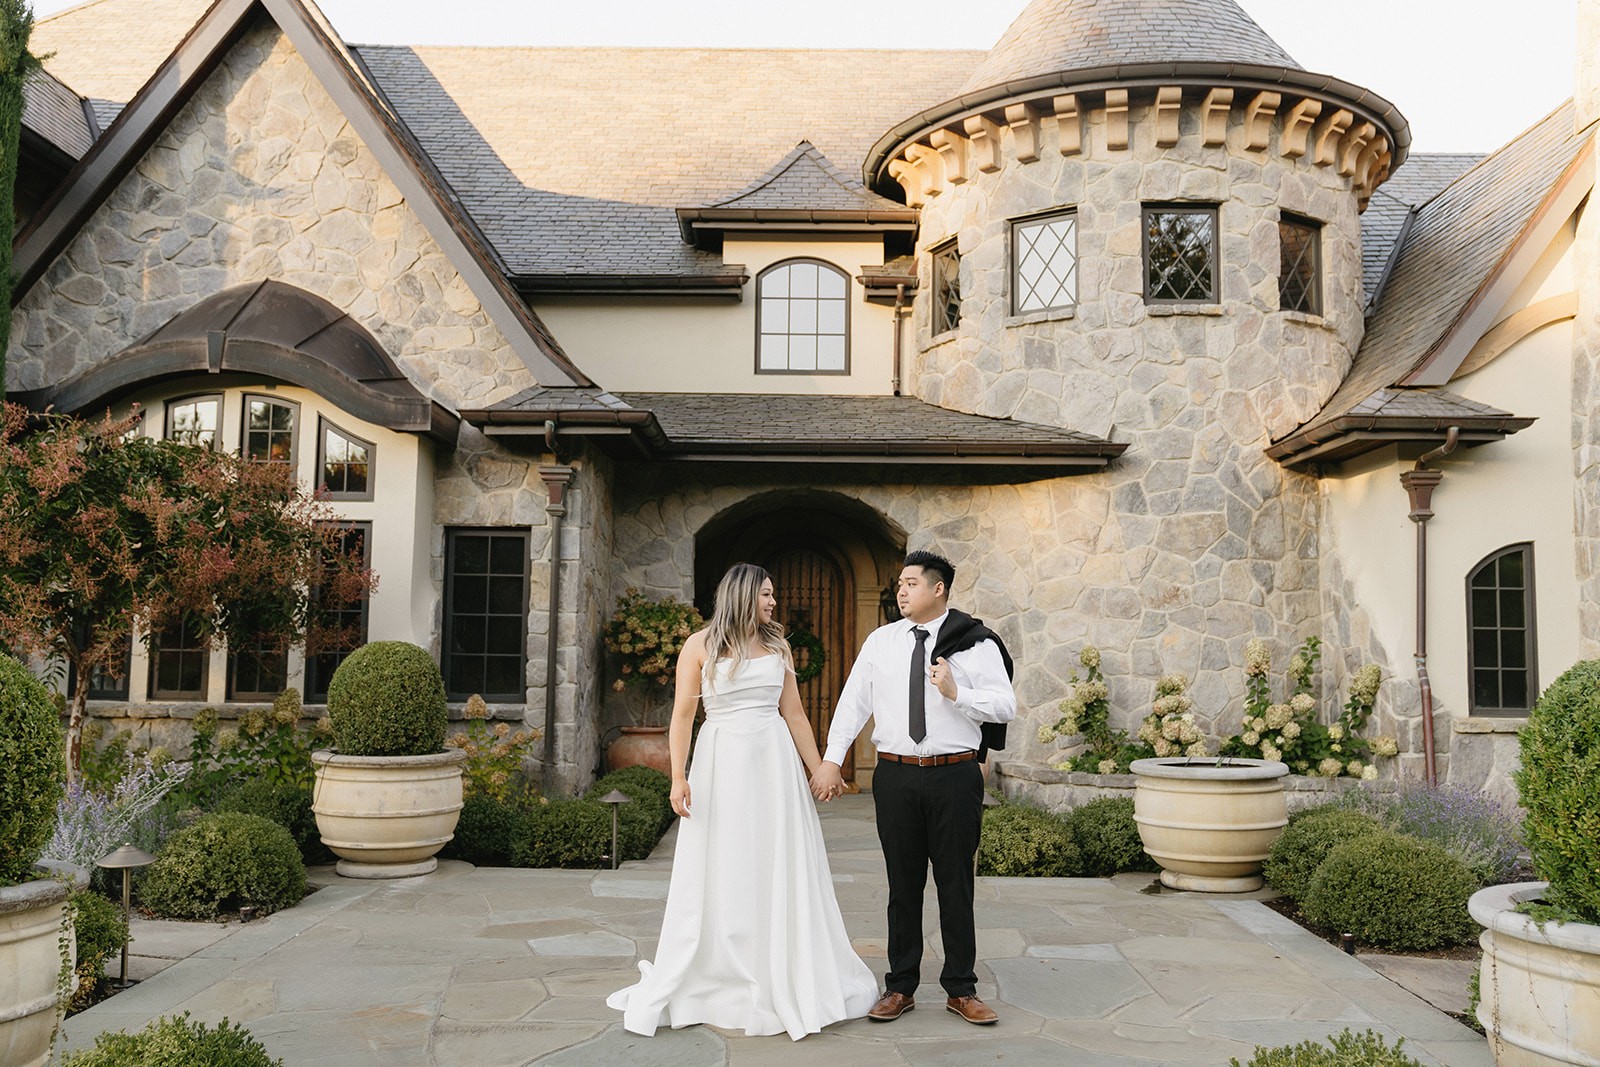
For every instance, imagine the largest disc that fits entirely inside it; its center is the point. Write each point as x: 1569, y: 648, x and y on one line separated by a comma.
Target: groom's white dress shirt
x: 879, y: 687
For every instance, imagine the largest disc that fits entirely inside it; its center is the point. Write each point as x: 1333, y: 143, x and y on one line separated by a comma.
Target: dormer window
x: 802, y: 318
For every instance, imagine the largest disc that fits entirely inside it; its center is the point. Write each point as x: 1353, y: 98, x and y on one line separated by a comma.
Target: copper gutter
x: 899, y: 304
x: 1420, y: 482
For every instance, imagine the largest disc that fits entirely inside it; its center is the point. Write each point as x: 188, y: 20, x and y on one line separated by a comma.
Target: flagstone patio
x: 482, y: 967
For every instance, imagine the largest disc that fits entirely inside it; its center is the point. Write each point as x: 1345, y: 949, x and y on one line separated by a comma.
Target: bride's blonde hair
x: 737, y: 618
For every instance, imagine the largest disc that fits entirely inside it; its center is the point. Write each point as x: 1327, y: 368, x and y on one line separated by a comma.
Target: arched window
x: 802, y: 318
x: 1502, y: 677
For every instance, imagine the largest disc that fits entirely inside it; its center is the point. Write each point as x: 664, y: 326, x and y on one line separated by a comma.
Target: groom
x: 929, y: 681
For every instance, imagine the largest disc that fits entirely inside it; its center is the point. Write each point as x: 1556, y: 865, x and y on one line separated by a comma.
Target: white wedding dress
x: 752, y: 938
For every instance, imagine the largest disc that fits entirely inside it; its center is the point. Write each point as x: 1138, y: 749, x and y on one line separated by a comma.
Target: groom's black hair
x: 929, y: 561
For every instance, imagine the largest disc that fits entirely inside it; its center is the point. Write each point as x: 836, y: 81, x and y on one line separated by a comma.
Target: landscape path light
x: 615, y: 797
x: 126, y: 858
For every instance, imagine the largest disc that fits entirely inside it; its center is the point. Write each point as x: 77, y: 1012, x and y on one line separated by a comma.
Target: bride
x: 752, y: 938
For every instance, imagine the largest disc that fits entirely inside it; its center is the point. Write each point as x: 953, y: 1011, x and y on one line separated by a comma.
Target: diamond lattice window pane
x: 1180, y: 248
x: 1297, y: 267
x: 946, y: 289
x: 1047, y: 264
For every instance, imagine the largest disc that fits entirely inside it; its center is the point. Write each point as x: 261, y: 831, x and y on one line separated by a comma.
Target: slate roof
x: 1422, y: 178
x: 1397, y: 414
x: 805, y: 178
x: 1458, y: 238
x: 855, y: 428
x: 574, y: 160
x: 1063, y: 35
x: 107, y: 49
x: 54, y: 112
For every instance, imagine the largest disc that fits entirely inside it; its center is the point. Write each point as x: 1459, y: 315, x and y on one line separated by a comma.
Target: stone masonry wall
x: 1586, y: 429
x: 260, y: 176
x: 1193, y: 541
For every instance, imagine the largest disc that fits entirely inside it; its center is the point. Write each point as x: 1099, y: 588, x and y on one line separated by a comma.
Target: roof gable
x: 805, y: 178
x: 180, y: 76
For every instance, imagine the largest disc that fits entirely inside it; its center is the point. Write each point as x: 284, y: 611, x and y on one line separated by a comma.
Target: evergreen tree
x: 16, y: 63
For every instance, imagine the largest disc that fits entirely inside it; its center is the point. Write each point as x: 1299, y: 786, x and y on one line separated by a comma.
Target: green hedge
x: 287, y: 805
x: 100, y: 930
x: 175, y: 1043
x: 1108, y: 838
x: 1018, y: 840
x: 1306, y: 842
x: 1344, y: 1050
x: 647, y: 786
x: 221, y: 862
x: 31, y: 770
x: 483, y: 832
x: 1394, y: 892
x: 387, y: 699
x: 1559, y: 785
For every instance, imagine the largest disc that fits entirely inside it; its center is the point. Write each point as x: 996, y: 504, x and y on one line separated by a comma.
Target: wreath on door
x: 815, y: 658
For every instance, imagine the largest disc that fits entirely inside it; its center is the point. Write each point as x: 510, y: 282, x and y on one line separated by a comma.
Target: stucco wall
x: 703, y: 344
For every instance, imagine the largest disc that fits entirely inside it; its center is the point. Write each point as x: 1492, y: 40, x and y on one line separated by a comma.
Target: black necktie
x: 918, y: 721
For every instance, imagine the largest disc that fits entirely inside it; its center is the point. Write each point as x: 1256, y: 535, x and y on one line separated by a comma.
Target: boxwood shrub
x: 221, y: 862
x: 387, y: 699
x: 100, y: 930
x: 175, y: 1042
x: 563, y: 833
x: 647, y: 786
x: 1342, y: 1050
x: 287, y: 805
x: 1108, y: 838
x: 483, y: 832
x: 1394, y: 892
x: 31, y: 770
x: 1559, y: 784
x: 1306, y: 842
x: 1018, y: 840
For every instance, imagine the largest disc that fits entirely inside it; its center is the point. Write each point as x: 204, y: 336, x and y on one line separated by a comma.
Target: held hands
x: 680, y: 797
x: 939, y: 675
x: 827, y: 782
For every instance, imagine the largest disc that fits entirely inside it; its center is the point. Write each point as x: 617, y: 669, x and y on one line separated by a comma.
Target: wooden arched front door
x: 816, y: 593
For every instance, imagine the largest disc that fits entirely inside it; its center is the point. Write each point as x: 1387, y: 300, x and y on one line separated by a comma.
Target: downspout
x: 899, y: 304
x: 556, y: 481
x: 1420, y: 482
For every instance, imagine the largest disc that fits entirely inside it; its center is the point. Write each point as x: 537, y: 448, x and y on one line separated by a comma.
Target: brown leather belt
x: 929, y: 761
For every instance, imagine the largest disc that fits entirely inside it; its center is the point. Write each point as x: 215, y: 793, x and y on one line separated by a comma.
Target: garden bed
x: 1054, y: 790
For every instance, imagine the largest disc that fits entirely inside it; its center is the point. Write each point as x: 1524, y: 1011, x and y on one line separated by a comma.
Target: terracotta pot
x: 1539, y: 988
x: 30, y: 959
x: 645, y: 745
x: 386, y: 816
x: 1209, y: 826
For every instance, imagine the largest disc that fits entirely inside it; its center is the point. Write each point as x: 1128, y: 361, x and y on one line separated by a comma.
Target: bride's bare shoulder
x: 695, y: 643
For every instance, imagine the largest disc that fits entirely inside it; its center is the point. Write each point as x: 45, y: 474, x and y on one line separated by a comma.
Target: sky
x: 1469, y: 75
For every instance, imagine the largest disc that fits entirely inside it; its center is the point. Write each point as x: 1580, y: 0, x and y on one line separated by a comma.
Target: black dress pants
x: 930, y: 815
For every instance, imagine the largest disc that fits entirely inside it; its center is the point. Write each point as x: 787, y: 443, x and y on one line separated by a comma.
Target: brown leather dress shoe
x: 971, y: 1009
x: 891, y: 1006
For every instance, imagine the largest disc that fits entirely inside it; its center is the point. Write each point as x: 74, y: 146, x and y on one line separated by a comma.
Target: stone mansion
x: 1167, y: 342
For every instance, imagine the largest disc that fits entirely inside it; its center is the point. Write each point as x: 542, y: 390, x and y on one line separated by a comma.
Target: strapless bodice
x: 749, y: 692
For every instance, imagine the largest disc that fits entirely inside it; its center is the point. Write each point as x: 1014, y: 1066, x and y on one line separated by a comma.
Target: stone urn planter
x: 30, y: 961
x: 1209, y: 823
x: 640, y: 745
x: 1540, y: 988
x: 386, y: 816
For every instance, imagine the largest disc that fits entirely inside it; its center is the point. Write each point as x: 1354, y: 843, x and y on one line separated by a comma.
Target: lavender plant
x: 91, y: 824
x: 1477, y: 829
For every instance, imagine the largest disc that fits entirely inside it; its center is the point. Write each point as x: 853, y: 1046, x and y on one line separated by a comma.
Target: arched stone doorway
x: 833, y: 560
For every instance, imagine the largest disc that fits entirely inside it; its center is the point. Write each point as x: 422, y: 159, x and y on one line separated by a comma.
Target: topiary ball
x: 1306, y: 842
x: 1393, y: 891
x: 286, y: 804
x: 31, y: 770
x: 1559, y: 785
x: 387, y: 699
x: 221, y: 862
x: 1108, y: 838
x: 1023, y: 841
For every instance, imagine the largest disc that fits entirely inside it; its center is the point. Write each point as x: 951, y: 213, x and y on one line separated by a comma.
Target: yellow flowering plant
x: 495, y: 752
x: 644, y: 637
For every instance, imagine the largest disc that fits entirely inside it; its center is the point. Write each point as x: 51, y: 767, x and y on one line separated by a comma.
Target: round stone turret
x: 1141, y: 220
